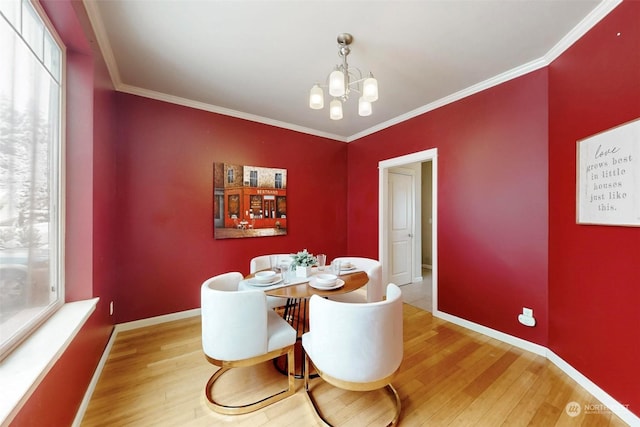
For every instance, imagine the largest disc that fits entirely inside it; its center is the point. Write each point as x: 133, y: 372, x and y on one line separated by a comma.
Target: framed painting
x: 249, y: 201
x: 608, y: 177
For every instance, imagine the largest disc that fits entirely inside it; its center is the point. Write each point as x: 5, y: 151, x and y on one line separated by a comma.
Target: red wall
x: 506, y: 194
x: 594, y: 271
x: 166, y: 247
x: 492, y: 201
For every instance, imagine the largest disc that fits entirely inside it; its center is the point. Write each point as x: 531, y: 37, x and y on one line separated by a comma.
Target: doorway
x: 424, y: 217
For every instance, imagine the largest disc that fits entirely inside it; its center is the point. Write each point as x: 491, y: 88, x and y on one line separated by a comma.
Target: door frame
x: 383, y: 212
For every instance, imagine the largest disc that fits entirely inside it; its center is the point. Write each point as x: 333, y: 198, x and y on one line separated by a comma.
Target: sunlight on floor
x: 419, y: 294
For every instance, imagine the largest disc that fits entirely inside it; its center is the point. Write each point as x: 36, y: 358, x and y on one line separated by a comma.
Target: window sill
x: 27, y: 365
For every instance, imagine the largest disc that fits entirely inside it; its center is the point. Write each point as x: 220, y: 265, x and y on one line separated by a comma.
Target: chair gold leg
x: 394, y: 394
x: 291, y: 374
x: 390, y: 389
x: 250, y: 407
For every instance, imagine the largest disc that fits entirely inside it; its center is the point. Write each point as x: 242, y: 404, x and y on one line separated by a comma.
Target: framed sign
x: 608, y: 175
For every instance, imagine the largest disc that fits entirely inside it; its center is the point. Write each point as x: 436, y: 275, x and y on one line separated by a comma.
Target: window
x: 30, y: 180
x: 229, y: 176
x: 253, y: 178
x: 278, y: 180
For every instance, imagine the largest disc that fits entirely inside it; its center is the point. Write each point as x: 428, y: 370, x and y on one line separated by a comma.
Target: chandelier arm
x: 355, y: 82
x: 350, y: 80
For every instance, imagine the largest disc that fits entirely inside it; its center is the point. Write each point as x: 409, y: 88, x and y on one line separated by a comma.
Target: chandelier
x: 342, y: 81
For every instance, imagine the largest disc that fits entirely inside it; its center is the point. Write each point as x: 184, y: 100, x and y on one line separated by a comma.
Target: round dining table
x: 296, y: 310
x: 352, y: 281
x: 297, y: 295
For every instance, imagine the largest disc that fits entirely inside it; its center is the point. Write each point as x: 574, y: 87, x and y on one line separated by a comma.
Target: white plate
x: 275, y: 281
x: 339, y: 283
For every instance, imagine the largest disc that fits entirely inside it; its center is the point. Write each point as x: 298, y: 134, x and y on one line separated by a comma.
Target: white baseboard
x: 612, y: 405
x: 509, y: 339
x: 621, y: 410
x: 157, y: 320
x: 94, y: 380
x: 120, y: 327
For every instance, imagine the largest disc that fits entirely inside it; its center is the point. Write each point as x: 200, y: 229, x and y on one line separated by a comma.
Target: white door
x: 401, y: 225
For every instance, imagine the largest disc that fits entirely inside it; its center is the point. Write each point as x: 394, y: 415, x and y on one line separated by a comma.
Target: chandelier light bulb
x: 370, y: 89
x: 335, y: 110
x: 316, y: 98
x: 342, y: 82
x: 364, y: 107
x: 336, y: 83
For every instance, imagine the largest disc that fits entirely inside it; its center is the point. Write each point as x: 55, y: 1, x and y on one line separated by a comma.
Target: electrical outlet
x: 526, y: 318
x: 111, y: 308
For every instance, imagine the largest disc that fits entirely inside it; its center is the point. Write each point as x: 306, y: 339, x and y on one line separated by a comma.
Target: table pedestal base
x: 296, y: 312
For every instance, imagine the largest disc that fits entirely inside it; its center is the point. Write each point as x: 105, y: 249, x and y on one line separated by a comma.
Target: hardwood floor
x: 450, y: 376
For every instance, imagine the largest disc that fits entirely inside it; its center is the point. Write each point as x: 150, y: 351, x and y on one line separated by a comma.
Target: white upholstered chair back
x: 359, y: 343
x: 263, y: 262
x: 374, y: 287
x: 238, y: 330
x: 234, y: 323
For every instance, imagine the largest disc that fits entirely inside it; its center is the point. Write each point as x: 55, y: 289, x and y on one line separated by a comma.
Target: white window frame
x: 22, y: 370
x: 57, y: 176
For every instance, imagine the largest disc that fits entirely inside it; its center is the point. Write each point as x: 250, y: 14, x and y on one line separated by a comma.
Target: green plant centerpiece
x: 302, y: 262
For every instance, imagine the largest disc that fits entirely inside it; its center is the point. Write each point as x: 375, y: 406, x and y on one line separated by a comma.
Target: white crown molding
x: 595, y: 16
x: 471, y: 90
x: 103, y: 41
x: 134, y: 90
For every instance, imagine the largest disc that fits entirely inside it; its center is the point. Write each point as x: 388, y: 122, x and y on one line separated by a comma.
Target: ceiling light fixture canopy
x: 342, y: 81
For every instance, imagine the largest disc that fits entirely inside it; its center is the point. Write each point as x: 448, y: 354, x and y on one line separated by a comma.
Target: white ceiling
x: 258, y: 59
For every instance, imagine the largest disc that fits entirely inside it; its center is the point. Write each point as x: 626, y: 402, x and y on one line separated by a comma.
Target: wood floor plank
x: 155, y: 376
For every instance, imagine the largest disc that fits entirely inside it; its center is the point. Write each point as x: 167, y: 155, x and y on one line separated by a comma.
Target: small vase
x: 303, y: 271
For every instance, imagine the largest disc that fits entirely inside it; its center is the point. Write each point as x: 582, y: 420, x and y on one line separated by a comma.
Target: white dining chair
x: 263, y: 262
x: 357, y: 347
x: 373, y: 291
x: 238, y: 330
